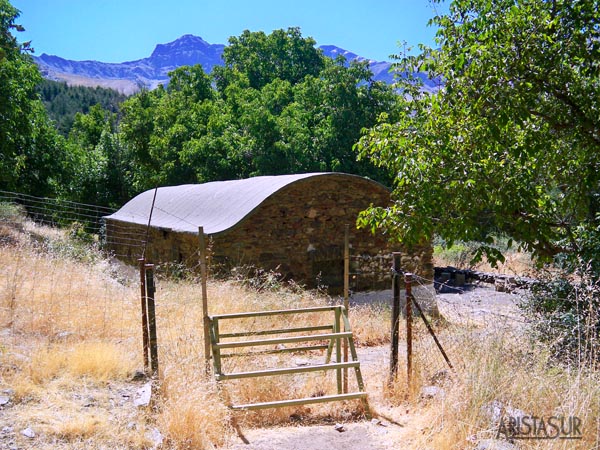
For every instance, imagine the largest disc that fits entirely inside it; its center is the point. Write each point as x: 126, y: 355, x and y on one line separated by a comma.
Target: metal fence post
x: 205, y: 319
x: 346, y: 295
x: 145, y: 339
x: 395, y: 315
x: 408, y: 281
x: 150, y: 289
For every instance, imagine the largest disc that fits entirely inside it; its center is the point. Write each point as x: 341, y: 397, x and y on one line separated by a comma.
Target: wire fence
x: 453, y: 319
x: 460, y: 315
x: 466, y: 315
x: 84, y: 221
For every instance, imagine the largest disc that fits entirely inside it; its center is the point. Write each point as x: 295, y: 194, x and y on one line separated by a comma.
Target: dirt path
x: 377, y: 434
x: 357, y: 436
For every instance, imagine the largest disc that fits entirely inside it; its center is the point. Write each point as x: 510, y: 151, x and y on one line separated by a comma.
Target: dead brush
x: 75, y: 329
x: 496, y: 375
x: 192, y: 414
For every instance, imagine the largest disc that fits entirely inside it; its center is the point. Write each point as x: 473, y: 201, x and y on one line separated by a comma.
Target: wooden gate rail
x: 335, y: 336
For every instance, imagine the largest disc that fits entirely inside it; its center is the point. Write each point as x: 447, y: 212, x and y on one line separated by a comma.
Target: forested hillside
x: 62, y: 102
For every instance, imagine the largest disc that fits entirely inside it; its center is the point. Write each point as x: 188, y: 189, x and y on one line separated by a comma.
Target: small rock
x: 7, y: 430
x: 138, y: 375
x: 515, y: 412
x: 4, y: 400
x: 63, y: 335
x: 339, y: 428
x: 28, y: 433
x: 156, y: 437
x: 428, y: 392
x: 493, y: 411
x: 131, y: 426
x: 375, y: 421
x: 143, y: 395
x: 301, y: 362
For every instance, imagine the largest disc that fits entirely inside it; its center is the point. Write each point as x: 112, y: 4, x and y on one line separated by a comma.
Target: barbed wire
x: 123, y: 241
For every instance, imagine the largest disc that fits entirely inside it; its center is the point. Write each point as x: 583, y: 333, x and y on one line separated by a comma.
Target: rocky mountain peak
x: 186, y: 43
x: 187, y: 50
x: 153, y: 70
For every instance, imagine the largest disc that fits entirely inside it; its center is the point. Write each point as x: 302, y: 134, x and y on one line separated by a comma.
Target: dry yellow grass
x: 76, y: 429
x: 70, y: 341
x: 192, y: 415
x: 496, y: 368
x: 68, y: 326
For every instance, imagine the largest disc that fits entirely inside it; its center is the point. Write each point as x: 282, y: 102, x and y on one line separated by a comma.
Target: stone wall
x: 299, y: 233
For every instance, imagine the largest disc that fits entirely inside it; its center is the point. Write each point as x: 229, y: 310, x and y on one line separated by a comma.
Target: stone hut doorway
x: 327, y: 268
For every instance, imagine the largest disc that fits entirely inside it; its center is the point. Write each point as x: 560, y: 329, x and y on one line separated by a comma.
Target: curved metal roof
x: 217, y: 206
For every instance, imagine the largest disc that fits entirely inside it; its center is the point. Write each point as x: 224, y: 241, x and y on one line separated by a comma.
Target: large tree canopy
x: 278, y: 106
x: 29, y: 146
x: 511, y: 142
x: 284, y: 55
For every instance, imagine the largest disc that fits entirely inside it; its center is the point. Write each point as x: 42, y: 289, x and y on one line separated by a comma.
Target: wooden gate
x: 329, y: 337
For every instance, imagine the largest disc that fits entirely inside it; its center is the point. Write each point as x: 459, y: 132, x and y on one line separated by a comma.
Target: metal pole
x: 205, y: 320
x: 152, y: 318
x: 395, y: 315
x: 408, y: 281
x: 346, y: 295
x: 149, y: 220
x: 142, y: 262
x: 338, y: 348
x: 437, y: 342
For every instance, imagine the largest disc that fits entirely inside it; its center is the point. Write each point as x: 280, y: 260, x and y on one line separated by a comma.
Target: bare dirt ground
x: 362, y: 435
x: 482, y: 305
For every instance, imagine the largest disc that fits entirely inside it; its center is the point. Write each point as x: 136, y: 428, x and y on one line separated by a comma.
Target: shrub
x: 564, y: 308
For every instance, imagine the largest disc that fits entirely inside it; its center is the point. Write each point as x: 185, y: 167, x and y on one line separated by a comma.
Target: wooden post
x: 396, y: 270
x: 152, y: 318
x: 408, y: 281
x: 338, y: 348
x: 142, y: 262
x: 205, y: 320
x: 346, y: 295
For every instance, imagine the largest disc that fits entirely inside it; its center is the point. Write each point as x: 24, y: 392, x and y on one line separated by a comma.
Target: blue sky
x: 125, y: 30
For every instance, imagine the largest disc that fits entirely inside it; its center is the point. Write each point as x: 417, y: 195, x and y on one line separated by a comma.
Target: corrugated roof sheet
x: 217, y: 206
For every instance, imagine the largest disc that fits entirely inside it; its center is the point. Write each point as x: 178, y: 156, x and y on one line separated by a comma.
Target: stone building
x: 292, y: 224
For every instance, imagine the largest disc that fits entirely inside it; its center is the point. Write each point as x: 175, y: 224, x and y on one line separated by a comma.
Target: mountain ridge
x: 130, y: 76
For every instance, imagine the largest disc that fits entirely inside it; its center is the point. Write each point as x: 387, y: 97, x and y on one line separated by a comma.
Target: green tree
x: 284, y: 55
x: 511, y: 141
x: 300, y: 112
x: 62, y: 101
x: 30, y: 150
x: 158, y: 125
x: 97, y: 161
x: 327, y: 115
